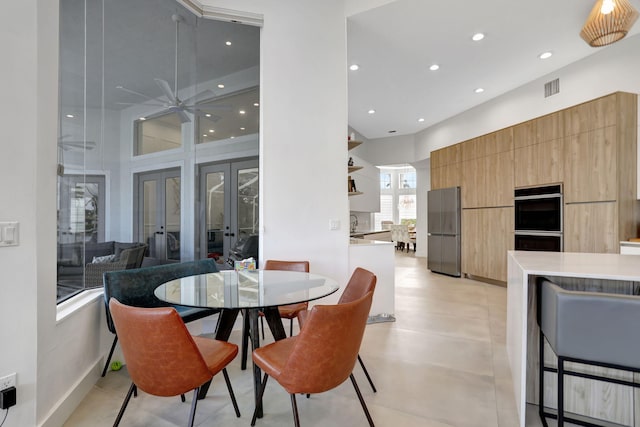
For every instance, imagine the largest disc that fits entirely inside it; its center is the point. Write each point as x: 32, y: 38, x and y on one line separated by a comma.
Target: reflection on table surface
x: 246, y: 289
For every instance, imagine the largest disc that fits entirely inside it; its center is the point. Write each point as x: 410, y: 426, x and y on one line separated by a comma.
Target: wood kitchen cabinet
x: 487, y: 235
x: 591, y: 227
x: 589, y: 148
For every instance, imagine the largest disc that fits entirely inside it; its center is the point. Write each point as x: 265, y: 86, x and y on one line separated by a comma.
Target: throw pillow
x: 103, y: 259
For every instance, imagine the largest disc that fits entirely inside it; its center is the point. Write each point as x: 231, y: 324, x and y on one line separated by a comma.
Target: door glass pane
x: 172, y: 217
x: 248, y: 202
x: 215, y: 199
x: 149, y: 215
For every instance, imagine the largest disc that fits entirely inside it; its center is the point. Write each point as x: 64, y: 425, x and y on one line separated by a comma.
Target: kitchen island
x: 599, y: 272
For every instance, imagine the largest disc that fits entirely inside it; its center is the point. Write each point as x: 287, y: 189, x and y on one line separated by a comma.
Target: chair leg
x: 290, y: 327
x: 367, y: 374
x: 262, y: 387
x: 124, y: 405
x: 182, y: 398
x: 541, y: 380
x: 245, y: 339
x: 364, y: 405
x: 262, y: 325
x: 106, y: 364
x: 294, y: 406
x: 560, y: 391
x: 233, y: 397
x: 194, y: 404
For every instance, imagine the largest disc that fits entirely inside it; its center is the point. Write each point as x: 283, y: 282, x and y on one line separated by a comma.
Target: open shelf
x: 354, y: 144
x: 354, y: 168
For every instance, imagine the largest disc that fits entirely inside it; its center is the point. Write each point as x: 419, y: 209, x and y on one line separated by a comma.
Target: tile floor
x: 443, y: 363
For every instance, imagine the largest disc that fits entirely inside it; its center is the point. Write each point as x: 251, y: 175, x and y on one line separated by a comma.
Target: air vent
x: 551, y: 88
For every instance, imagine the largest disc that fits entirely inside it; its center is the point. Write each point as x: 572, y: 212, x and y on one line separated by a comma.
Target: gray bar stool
x: 592, y: 328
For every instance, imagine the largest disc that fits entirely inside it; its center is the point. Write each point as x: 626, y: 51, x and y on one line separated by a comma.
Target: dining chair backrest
x: 361, y: 282
x: 326, y: 350
x: 162, y: 358
x: 135, y: 287
x: 400, y: 233
x: 272, y: 264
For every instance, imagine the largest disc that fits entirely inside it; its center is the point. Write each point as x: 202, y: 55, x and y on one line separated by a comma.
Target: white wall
x: 614, y: 68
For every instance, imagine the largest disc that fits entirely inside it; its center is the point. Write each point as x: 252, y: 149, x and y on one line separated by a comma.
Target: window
x: 136, y: 82
x: 218, y: 121
x: 397, y: 196
x: 158, y: 134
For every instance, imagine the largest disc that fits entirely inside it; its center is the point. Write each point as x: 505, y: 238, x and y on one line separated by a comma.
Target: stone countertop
x: 353, y: 241
x: 364, y: 233
x: 569, y: 264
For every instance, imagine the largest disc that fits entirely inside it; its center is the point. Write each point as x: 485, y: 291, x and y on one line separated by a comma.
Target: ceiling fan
x: 175, y: 104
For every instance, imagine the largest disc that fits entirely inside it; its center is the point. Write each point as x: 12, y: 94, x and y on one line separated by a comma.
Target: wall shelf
x: 354, y: 168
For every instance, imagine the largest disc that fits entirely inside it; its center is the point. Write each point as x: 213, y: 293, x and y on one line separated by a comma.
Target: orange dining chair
x: 163, y: 358
x: 286, y: 311
x: 361, y: 282
x: 321, y: 356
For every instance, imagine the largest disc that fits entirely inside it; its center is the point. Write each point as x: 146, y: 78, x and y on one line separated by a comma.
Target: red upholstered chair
x: 361, y: 282
x: 162, y: 357
x: 321, y: 356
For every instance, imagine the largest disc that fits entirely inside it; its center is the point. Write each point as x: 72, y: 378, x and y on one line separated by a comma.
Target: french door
x: 81, y: 208
x: 229, y: 195
x: 158, y: 224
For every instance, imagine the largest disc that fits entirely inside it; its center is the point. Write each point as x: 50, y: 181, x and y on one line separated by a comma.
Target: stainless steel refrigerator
x: 443, y: 228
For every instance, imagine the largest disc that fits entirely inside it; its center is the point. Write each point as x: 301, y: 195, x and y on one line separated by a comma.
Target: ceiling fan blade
x: 184, y: 117
x: 205, y: 106
x: 158, y: 104
x: 166, y: 89
x: 199, y: 97
x: 135, y: 93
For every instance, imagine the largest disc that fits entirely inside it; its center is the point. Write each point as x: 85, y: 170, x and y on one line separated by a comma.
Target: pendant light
x: 608, y: 22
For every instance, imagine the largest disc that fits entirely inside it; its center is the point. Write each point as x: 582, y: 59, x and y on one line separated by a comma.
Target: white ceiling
x: 395, y: 45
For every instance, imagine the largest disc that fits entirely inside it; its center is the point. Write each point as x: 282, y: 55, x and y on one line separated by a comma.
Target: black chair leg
x: 560, y: 391
x: 364, y: 405
x: 113, y: 347
x: 245, y: 339
x: 182, y: 398
x: 262, y: 325
x: 194, y: 404
x: 294, y: 406
x: 290, y: 328
x: 233, y: 396
x: 262, y: 387
x: 541, y: 413
x: 367, y: 374
x: 124, y: 405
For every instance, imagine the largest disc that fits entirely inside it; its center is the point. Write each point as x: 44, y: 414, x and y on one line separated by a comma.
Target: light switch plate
x: 9, y: 233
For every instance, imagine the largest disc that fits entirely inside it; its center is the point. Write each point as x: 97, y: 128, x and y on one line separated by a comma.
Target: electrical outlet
x: 8, y: 381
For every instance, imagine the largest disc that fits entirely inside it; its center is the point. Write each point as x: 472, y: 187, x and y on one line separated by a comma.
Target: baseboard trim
x: 68, y: 403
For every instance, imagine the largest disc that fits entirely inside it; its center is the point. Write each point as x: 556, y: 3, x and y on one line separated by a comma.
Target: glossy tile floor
x: 443, y: 363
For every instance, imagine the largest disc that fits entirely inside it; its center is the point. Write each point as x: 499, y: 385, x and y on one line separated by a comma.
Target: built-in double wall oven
x: 538, y: 218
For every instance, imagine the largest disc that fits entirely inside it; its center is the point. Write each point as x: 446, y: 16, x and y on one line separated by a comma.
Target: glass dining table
x: 249, y: 292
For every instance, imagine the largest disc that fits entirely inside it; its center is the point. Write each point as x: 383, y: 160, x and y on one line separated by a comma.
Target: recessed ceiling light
x: 205, y: 135
x: 69, y: 116
x: 256, y: 104
x: 477, y: 37
x: 143, y: 118
x: 354, y: 67
x: 228, y: 43
x: 545, y: 55
x: 232, y: 137
x: 241, y: 111
x: 220, y: 86
x: 212, y: 130
x: 207, y: 115
x: 434, y: 67
x: 242, y: 128
x: 371, y: 111
x: 479, y: 90
x: 421, y: 119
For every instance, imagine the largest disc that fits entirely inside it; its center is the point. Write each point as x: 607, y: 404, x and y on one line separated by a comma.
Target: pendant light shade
x: 608, y: 22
